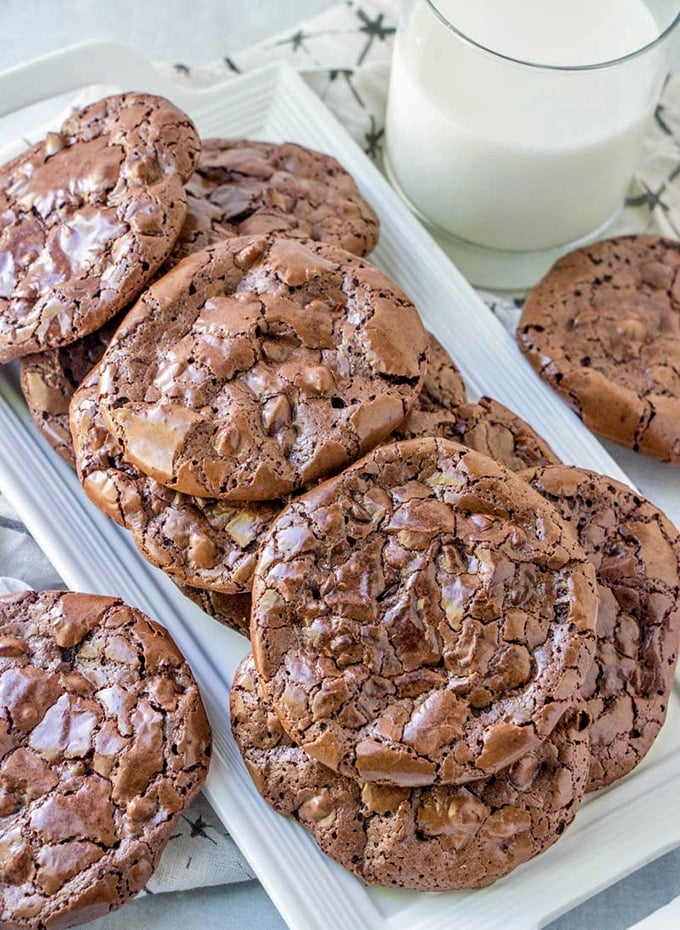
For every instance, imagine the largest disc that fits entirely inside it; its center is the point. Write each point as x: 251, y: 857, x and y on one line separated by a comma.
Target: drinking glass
x: 515, y: 144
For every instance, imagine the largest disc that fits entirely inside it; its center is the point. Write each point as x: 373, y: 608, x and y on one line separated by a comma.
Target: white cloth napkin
x: 344, y: 55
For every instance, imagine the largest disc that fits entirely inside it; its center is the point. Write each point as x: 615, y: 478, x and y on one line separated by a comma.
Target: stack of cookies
x: 276, y: 205
x: 454, y: 636
x: 446, y: 656
x: 422, y: 628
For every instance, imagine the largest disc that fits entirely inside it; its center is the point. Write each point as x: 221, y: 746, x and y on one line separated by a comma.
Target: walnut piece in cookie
x: 636, y: 553
x: 603, y: 328
x: 424, y: 617
x: 258, y: 366
x: 438, y: 838
x: 88, y: 216
x: 103, y: 743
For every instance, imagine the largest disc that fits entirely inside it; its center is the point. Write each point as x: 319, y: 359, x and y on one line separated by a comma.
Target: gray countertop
x: 170, y: 31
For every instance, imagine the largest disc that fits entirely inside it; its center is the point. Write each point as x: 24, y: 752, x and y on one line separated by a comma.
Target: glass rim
x: 598, y: 65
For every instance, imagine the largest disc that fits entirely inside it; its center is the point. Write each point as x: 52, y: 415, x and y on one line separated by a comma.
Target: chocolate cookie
x: 232, y: 610
x: 50, y: 379
x: 427, y: 839
x: 103, y: 744
x: 88, y: 216
x: 603, y: 328
x: 424, y: 617
x: 487, y: 427
x: 199, y: 542
x: 636, y: 553
x: 245, y: 188
x: 259, y: 366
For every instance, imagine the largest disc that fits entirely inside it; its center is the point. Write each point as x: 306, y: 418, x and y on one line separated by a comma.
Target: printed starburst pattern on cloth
x: 199, y: 854
x: 344, y: 55
x: 653, y: 201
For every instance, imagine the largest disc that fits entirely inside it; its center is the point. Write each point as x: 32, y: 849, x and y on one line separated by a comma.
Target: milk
x: 510, y: 156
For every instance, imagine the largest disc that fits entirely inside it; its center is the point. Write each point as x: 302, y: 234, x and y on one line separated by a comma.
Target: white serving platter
x: 616, y: 830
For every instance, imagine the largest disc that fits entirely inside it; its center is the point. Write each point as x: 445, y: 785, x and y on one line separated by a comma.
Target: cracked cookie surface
x: 199, y: 542
x: 258, y: 366
x: 246, y: 188
x: 423, y: 617
x: 603, y: 329
x: 88, y: 216
x: 636, y: 553
x: 443, y: 386
x: 428, y: 839
x: 487, y: 427
x: 103, y: 743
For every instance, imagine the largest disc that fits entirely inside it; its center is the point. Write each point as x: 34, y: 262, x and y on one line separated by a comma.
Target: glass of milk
x: 514, y: 126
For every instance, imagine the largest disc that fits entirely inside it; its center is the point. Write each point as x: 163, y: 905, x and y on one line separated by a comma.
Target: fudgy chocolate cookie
x: 232, y: 610
x: 423, y: 617
x: 487, y: 427
x: 103, y: 743
x: 636, y: 553
x: 50, y: 379
x: 199, y: 542
x: 428, y: 839
x: 87, y: 217
x: 258, y: 366
x: 246, y: 188
x: 603, y: 328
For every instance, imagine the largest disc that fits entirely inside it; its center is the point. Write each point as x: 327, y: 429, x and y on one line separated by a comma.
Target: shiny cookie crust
x: 88, y: 216
x: 103, y: 743
x: 424, y: 617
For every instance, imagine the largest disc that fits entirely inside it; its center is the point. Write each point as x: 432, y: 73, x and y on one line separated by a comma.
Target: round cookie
x: 487, y: 427
x: 258, y: 366
x: 246, y: 188
x: 636, y: 553
x: 428, y: 839
x: 199, y: 542
x: 103, y: 743
x: 88, y: 216
x: 603, y: 328
x: 424, y: 617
